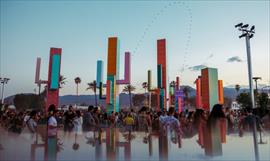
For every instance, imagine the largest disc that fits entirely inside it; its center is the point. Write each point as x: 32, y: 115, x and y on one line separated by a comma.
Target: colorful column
x: 149, y: 80
x: 177, y: 83
x: 112, y: 137
x: 99, y: 73
x: 198, y: 92
x: 37, y: 77
x: 126, y: 79
x: 159, y: 76
x: 161, y: 60
x: 209, y: 88
x: 112, y: 74
x: 220, y: 92
x: 178, y: 100
x: 53, y: 77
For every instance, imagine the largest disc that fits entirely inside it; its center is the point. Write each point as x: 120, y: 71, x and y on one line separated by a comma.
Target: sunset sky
x: 198, y: 33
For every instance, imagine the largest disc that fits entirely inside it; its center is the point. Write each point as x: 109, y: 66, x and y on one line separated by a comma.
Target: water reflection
x: 202, y: 141
x: 51, y: 144
x: 118, y: 144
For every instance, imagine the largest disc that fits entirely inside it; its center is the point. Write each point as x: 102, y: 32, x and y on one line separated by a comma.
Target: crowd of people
x: 186, y: 123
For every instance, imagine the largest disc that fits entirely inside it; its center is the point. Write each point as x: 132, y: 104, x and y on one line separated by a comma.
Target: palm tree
x: 93, y: 86
x: 77, y: 81
x: 62, y: 81
x: 128, y: 89
x: 145, y: 85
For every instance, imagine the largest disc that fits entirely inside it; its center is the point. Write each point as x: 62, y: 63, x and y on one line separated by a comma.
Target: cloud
x: 197, y: 67
x: 234, y: 59
x: 210, y: 56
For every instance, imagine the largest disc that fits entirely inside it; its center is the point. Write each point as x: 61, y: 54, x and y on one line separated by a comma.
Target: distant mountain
x: 90, y: 100
x: 123, y: 100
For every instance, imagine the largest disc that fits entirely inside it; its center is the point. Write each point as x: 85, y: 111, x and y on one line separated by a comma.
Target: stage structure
x: 52, y: 89
x: 112, y: 82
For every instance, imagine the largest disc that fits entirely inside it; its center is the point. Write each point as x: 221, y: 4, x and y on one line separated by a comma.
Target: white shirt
x: 78, y: 125
x: 26, y: 118
x: 52, y: 122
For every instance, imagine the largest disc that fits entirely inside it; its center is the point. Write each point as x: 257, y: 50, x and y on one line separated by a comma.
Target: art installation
x: 220, y: 92
x: 52, y: 95
x: 209, y: 90
x: 161, y: 89
x: 176, y: 96
x: 112, y: 97
x: 179, y: 97
x: 162, y: 72
x: 198, y: 92
x: 115, y: 145
x: 52, y: 98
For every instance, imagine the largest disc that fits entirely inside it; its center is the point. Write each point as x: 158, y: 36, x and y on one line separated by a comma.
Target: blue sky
x: 197, y: 33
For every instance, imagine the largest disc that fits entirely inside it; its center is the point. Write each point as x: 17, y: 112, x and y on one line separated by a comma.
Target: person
x: 112, y: 118
x: 200, y: 119
x: 69, y: 116
x: 26, y: 118
x: 15, y: 123
x: 172, y: 125
x: 266, y: 120
x: 88, y: 119
x: 129, y: 123
x: 149, y: 121
x: 96, y: 119
x: 230, y: 120
x: 31, y: 122
x: 247, y: 123
x: 142, y: 120
x: 77, y: 121
x: 214, y: 131
x: 171, y: 122
x: 52, y: 132
x: 52, y: 122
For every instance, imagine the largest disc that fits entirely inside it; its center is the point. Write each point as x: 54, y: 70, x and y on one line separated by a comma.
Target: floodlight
x: 251, y: 36
x: 245, y: 26
x: 243, y: 35
x: 238, y: 25
x: 252, y: 28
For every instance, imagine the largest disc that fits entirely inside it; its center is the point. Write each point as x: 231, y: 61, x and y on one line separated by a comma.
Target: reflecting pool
x: 117, y: 144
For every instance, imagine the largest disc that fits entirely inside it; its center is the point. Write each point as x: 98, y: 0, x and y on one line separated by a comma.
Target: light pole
x: 248, y: 34
x: 3, y: 81
x: 256, y: 79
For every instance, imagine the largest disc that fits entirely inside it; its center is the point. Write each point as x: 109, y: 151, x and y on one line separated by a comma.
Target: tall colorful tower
x: 162, y: 75
x: 220, y: 92
x: 52, y: 82
x: 179, y: 97
x: 53, y: 77
x: 209, y: 84
x: 113, y: 62
x: 198, y: 92
x: 112, y: 98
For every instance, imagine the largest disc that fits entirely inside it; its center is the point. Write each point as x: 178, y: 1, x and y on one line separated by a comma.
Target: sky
x: 197, y: 33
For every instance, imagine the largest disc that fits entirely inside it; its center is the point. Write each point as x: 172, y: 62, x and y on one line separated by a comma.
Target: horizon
x: 82, y: 28
x: 243, y: 88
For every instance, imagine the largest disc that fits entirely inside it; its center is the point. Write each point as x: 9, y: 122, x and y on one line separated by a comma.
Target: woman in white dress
x: 78, y: 121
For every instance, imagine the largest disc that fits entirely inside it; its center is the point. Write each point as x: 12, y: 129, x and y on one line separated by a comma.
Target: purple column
x: 126, y: 79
